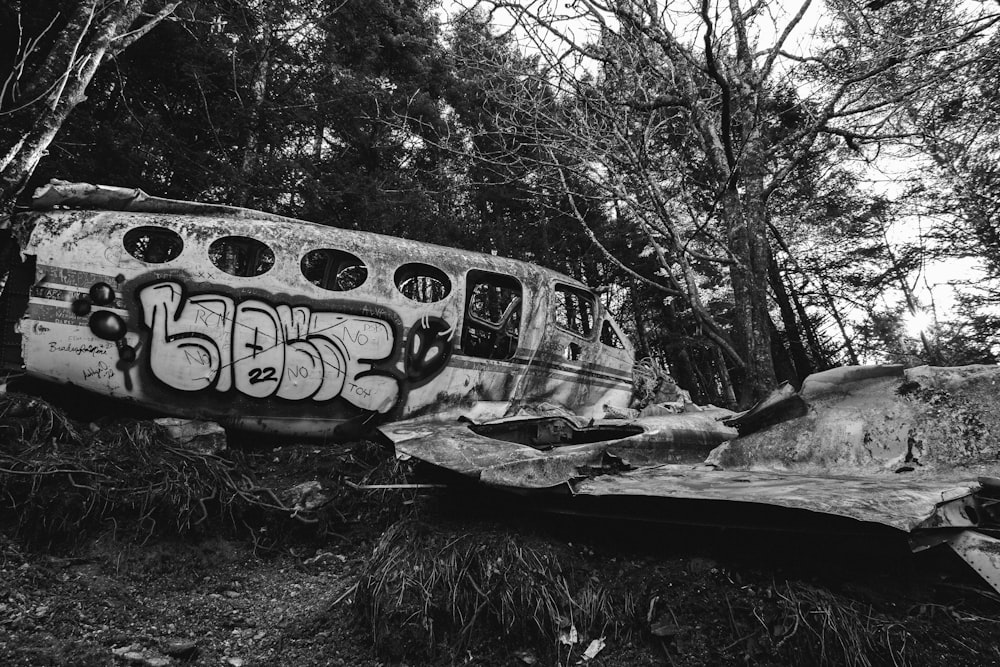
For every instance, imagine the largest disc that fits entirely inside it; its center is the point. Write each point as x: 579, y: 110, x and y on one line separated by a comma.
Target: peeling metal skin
x: 188, y: 330
x: 916, y: 451
x: 981, y: 552
x: 462, y: 448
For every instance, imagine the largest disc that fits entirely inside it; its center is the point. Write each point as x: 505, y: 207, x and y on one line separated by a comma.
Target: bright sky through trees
x: 889, y: 170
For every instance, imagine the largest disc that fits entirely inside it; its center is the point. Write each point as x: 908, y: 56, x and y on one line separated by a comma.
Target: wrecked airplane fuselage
x: 268, y: 324
x: 276, y: 326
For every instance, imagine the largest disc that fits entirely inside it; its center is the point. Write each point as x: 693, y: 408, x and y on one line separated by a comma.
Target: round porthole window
x: 153, y: 245
x: 422, y: 282
x: 335, y: 270
x: 241, y: 256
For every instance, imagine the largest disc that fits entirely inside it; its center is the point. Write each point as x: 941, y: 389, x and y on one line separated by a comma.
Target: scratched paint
x: 211, y: 342
x: 282, y: 351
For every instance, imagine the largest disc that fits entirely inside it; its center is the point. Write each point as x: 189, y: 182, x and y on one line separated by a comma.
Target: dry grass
x: 62, y: 480
x: 436, y: 592
x: 348, y: 504
x: 816, y: 626
x: 426, y: 590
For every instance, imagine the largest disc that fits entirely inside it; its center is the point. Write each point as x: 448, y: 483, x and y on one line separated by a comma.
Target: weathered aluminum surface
x: 980, y: 551
x: 457, y: 447
x: 112, y: 198
x: 902, y: 503
x: 877, y: 420
x: 275, y: 352
x: 914, y: 450
x: 454, y: 446
x: 899, y: 501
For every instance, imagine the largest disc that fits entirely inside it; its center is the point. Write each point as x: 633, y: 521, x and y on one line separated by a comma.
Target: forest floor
x: 408, y: 577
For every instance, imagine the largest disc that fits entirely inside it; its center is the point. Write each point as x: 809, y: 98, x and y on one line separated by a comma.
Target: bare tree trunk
x: 691, y: 378
x: 749, y: 279
x: 319, y: 132
x: 95, y: 32
x: 250, y: 161
x: 797, y: 348
x: 641, y: 342
x: 831, y: 305
x: 329, y: 71
x: 784, y: 368
x: 814, y: 343
x: 724, y: 379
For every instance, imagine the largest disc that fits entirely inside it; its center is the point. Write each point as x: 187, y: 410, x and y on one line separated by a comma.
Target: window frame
x: 255, y: 246
x: 612, y: 326
x: 515, y: 307
x: 585, y: 294
x: 333, y: 256
x: 410, y: 270
x: 130, y: 238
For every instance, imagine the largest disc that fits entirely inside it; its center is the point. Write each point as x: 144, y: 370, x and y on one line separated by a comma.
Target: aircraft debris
x: 202, y: 437
x: 827, y: 453
x: 595, y: 647
x: 192, y: 310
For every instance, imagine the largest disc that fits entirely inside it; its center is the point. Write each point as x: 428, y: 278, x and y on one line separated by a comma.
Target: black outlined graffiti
x: 428, y: 350
x: 210, y: 341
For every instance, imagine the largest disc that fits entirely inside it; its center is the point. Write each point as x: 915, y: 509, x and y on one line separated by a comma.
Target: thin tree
x: 57, y: 49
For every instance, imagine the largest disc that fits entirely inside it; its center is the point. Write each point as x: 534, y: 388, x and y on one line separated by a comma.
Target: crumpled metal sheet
x: 453, y: 446
x: 879, y: 420
x: 936, y: 426
x: 456, y: 447
x: 65, y: 193
x: 898, y: 502
x: 602, y: 469
x: 783, y: 404
x: 981, y: 552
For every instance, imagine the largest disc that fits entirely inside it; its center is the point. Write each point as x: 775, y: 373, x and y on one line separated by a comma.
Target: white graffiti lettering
x: 262, y: 350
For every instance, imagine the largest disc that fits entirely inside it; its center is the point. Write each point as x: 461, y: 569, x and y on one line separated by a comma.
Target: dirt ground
x: 636, y: 596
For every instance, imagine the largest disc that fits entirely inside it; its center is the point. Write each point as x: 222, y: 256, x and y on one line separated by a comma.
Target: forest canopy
x: 762, y: 189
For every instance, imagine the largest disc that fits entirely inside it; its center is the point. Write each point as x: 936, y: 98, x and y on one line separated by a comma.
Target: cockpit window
x: 334, y: 270
x: 153, y: 245
x: 422, y: 282
x: 241, y: 256
x: 492, y: 315
x: 610, y: 337
x: 574, y: 310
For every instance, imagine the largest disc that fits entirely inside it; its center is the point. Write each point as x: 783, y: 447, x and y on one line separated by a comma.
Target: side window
x: 153, y: 245
x: 422, y: 282
x: 610, y: 337
x: 241, y: 256
x: 492, y: 315
x: 334, y: 270
x: 574, y: 310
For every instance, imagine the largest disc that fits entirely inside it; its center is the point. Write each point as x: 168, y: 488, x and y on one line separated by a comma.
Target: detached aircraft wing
x: 912, y: 452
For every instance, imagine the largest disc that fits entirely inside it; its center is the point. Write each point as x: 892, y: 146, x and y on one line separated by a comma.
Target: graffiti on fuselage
x: 212, y: 342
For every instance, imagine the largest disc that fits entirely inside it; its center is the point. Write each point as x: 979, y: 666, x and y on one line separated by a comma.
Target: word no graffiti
x: 291, y: 352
